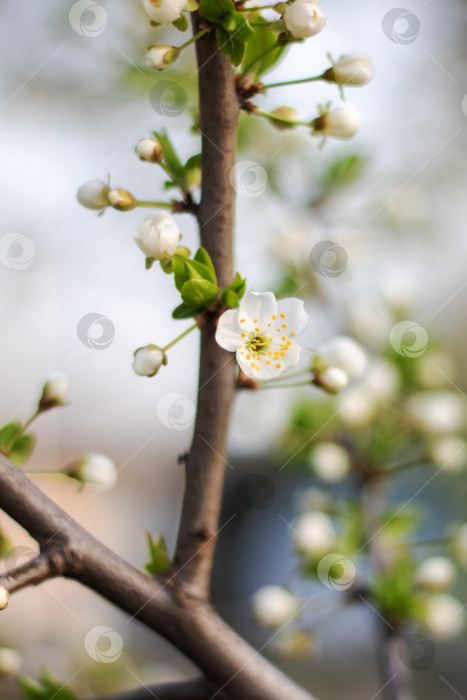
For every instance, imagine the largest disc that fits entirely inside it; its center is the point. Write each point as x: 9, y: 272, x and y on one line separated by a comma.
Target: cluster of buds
x: 97, y: 195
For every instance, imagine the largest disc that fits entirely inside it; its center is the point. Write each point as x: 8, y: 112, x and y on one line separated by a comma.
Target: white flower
x: 314, y: 534
x: 304, y: 18
x: 148, y: 361
x: 121, y: 200
x: 93, y: 195
x: 4, y: 596
x: 164, y: 11
x: 444, y: 616
x: 330, y: 461
x: 438, y: 411
x: 341, y: 123
x: 149, y: 150
x: 158, y: 236
x: 346, y: 354
x: 333, y: 379
x: 273, y: 606
x: 10, y: 662
x: 435, y: 574
x: 161, y: 56
x: 97, y: 469
x: 449, y: 453
x: 54, y: 392
x: 262, y: 331
x: 352, y: 69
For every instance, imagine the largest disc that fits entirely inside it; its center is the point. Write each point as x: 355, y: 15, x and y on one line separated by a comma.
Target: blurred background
x: 75, y: 99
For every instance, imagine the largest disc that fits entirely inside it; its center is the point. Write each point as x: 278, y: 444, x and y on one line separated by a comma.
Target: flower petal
x: 257, y: 308
x: 228, y: 333
x: 295, y: 314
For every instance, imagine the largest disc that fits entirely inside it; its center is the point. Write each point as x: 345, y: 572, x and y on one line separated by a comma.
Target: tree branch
x: 205, y: 466
x: 33, y: 572
x: 196, y: 689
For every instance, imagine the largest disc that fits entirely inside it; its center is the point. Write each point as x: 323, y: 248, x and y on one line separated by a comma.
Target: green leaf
x: 203, y: 257
x: 199, y: 293
x: 233, y: 45
x: 215, y: 10
x: 170, y: 155
x: 343, y: 171
x: 22, y: 449
x: 197, y: 270
x: 238, y: 285
x: 180, y: 271
x: 193, y: 171
x: 149, y: 263
x: 229, y: 298
x: 8, y: 434
x: 262, y: 40
x: 184, y: 311
x: 191, y: 6
x: 160, y: 560
x: 181, y: 23
x: 47, y: 688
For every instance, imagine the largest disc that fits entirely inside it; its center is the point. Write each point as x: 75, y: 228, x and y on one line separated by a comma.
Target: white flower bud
x: 54, y: 392
x: 449, y: 453
x: 4, y: 597
x: 149, y: 150
x: 330, y: 462
x: 284, y: 118
x: 314, y: 534
x: 346, y: 354
x: 304, y: 19
x: 158, y: 236
x: 10, y: 662
x: 93, y: 195
x: 438, y: 411
x: 161, y: 56
x: 98, y: 469
x: 121, y: 200
x: 273, y: 606
x: 164, y: 11
x: 351, y: 69
x: 341, y: 123
x: 333, y: 379
x: 444, y: 616
x: 435, y: 574
x: 148, y: 361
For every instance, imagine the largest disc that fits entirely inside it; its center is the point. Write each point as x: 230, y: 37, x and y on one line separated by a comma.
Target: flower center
x: 258, y: 343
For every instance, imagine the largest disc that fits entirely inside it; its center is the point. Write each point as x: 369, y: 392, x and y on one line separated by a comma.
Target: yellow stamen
x: 282, y: 315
